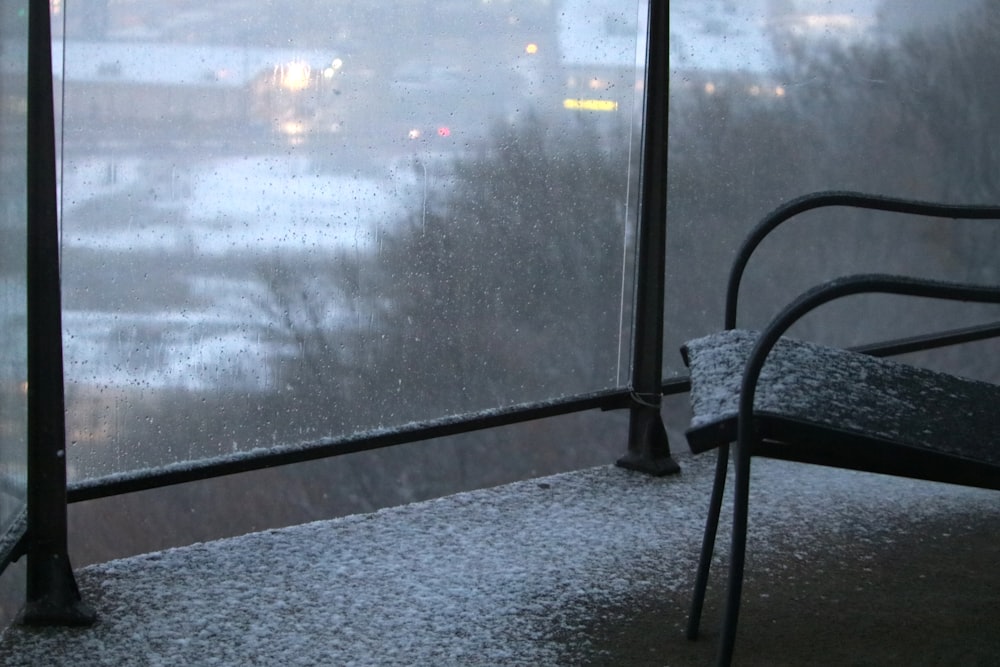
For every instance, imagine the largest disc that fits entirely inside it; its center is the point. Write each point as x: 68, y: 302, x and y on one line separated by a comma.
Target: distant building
x: 108, y: 84
x: 602, y: 55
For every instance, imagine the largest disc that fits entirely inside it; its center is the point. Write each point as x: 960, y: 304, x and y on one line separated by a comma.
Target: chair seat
x: 830, y: 406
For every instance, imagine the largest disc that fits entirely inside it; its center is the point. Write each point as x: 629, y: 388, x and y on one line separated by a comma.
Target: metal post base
x: 648, y: 448
x: 60, y: 604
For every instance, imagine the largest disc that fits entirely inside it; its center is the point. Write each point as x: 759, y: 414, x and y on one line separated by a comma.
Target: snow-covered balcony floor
x: 589, y: 567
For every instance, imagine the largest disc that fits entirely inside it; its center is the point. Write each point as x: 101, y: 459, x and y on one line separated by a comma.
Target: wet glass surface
x: 773, y: 100
x: 13, y: 278
x: 290, y: 221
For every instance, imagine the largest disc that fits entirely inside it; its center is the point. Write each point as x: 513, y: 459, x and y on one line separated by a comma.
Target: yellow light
x: 294, y: 75
x: 780, y: 91
x: 710, y: 88
x: 531, y: 49
x: 293, y: 128
x: 590, y: 105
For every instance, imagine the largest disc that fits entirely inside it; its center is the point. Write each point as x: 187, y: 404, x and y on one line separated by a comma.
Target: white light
x: 293, y: 128
x: 294, y: 75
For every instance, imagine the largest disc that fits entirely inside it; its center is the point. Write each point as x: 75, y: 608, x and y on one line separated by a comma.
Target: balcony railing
x: 260, y: 245
x: 127, y: 85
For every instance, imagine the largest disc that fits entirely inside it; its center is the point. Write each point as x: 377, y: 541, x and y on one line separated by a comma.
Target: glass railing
x: 315, y: 220
x: 13, y: 278
x: 770, y: 101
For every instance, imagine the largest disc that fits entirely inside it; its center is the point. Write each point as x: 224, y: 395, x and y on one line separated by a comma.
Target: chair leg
x: 737, y: 556
x: 708, y: 542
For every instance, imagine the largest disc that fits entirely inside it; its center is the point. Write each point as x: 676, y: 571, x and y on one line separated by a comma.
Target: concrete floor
x: 586, y: 568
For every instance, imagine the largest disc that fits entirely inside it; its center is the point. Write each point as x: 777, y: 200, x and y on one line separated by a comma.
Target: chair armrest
x: 833, y: 198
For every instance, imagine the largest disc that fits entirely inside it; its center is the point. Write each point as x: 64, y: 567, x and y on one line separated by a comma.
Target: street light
x: 293, y: 76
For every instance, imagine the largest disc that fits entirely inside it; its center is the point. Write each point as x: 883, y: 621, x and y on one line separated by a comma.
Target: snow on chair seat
x: 831, y: 406
x: 769, y: 395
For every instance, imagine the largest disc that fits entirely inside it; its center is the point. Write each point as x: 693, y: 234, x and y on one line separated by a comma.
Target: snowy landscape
x: 236, y: 207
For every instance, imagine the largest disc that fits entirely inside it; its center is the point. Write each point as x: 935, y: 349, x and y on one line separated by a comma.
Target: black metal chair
x: 775, y: 397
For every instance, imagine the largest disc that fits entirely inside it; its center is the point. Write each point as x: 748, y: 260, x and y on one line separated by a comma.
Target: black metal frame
x: 748, y: 437
x: 52, y: 594
x: 52, y: 597
x: 142, y: 480
x: 648, y: 447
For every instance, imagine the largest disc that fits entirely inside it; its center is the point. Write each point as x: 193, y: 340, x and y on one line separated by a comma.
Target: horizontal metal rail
x: 258, y: 459
x: 931, y: 341
x: 616, y: 399
x: 679, y: 384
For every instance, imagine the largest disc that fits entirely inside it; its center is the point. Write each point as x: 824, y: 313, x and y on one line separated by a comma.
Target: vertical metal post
x: 52, y: 597
x: 648, y: 449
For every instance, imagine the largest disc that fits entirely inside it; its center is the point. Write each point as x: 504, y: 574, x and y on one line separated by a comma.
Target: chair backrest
x: 847, y: 199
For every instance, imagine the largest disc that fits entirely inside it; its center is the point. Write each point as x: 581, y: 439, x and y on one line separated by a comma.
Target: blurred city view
x: 283, y: 222
x: 288, y: 221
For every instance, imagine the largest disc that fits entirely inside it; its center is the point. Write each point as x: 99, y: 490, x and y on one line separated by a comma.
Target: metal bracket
x: 648, y: 448
x: 59, y: 603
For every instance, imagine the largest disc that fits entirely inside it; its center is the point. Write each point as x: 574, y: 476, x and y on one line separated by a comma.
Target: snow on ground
x: 244, y: 206
x: 509, y: 575
x: 192, y: 350
x: 234, y: 207
x: 272, y: 203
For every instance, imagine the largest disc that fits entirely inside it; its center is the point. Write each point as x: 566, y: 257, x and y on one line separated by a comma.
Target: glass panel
x: 13, y: 243
x: 772, y: 100
x: 308, y: 219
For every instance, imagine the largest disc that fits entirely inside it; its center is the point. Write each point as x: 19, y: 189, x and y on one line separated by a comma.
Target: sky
x: 733, y: 35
